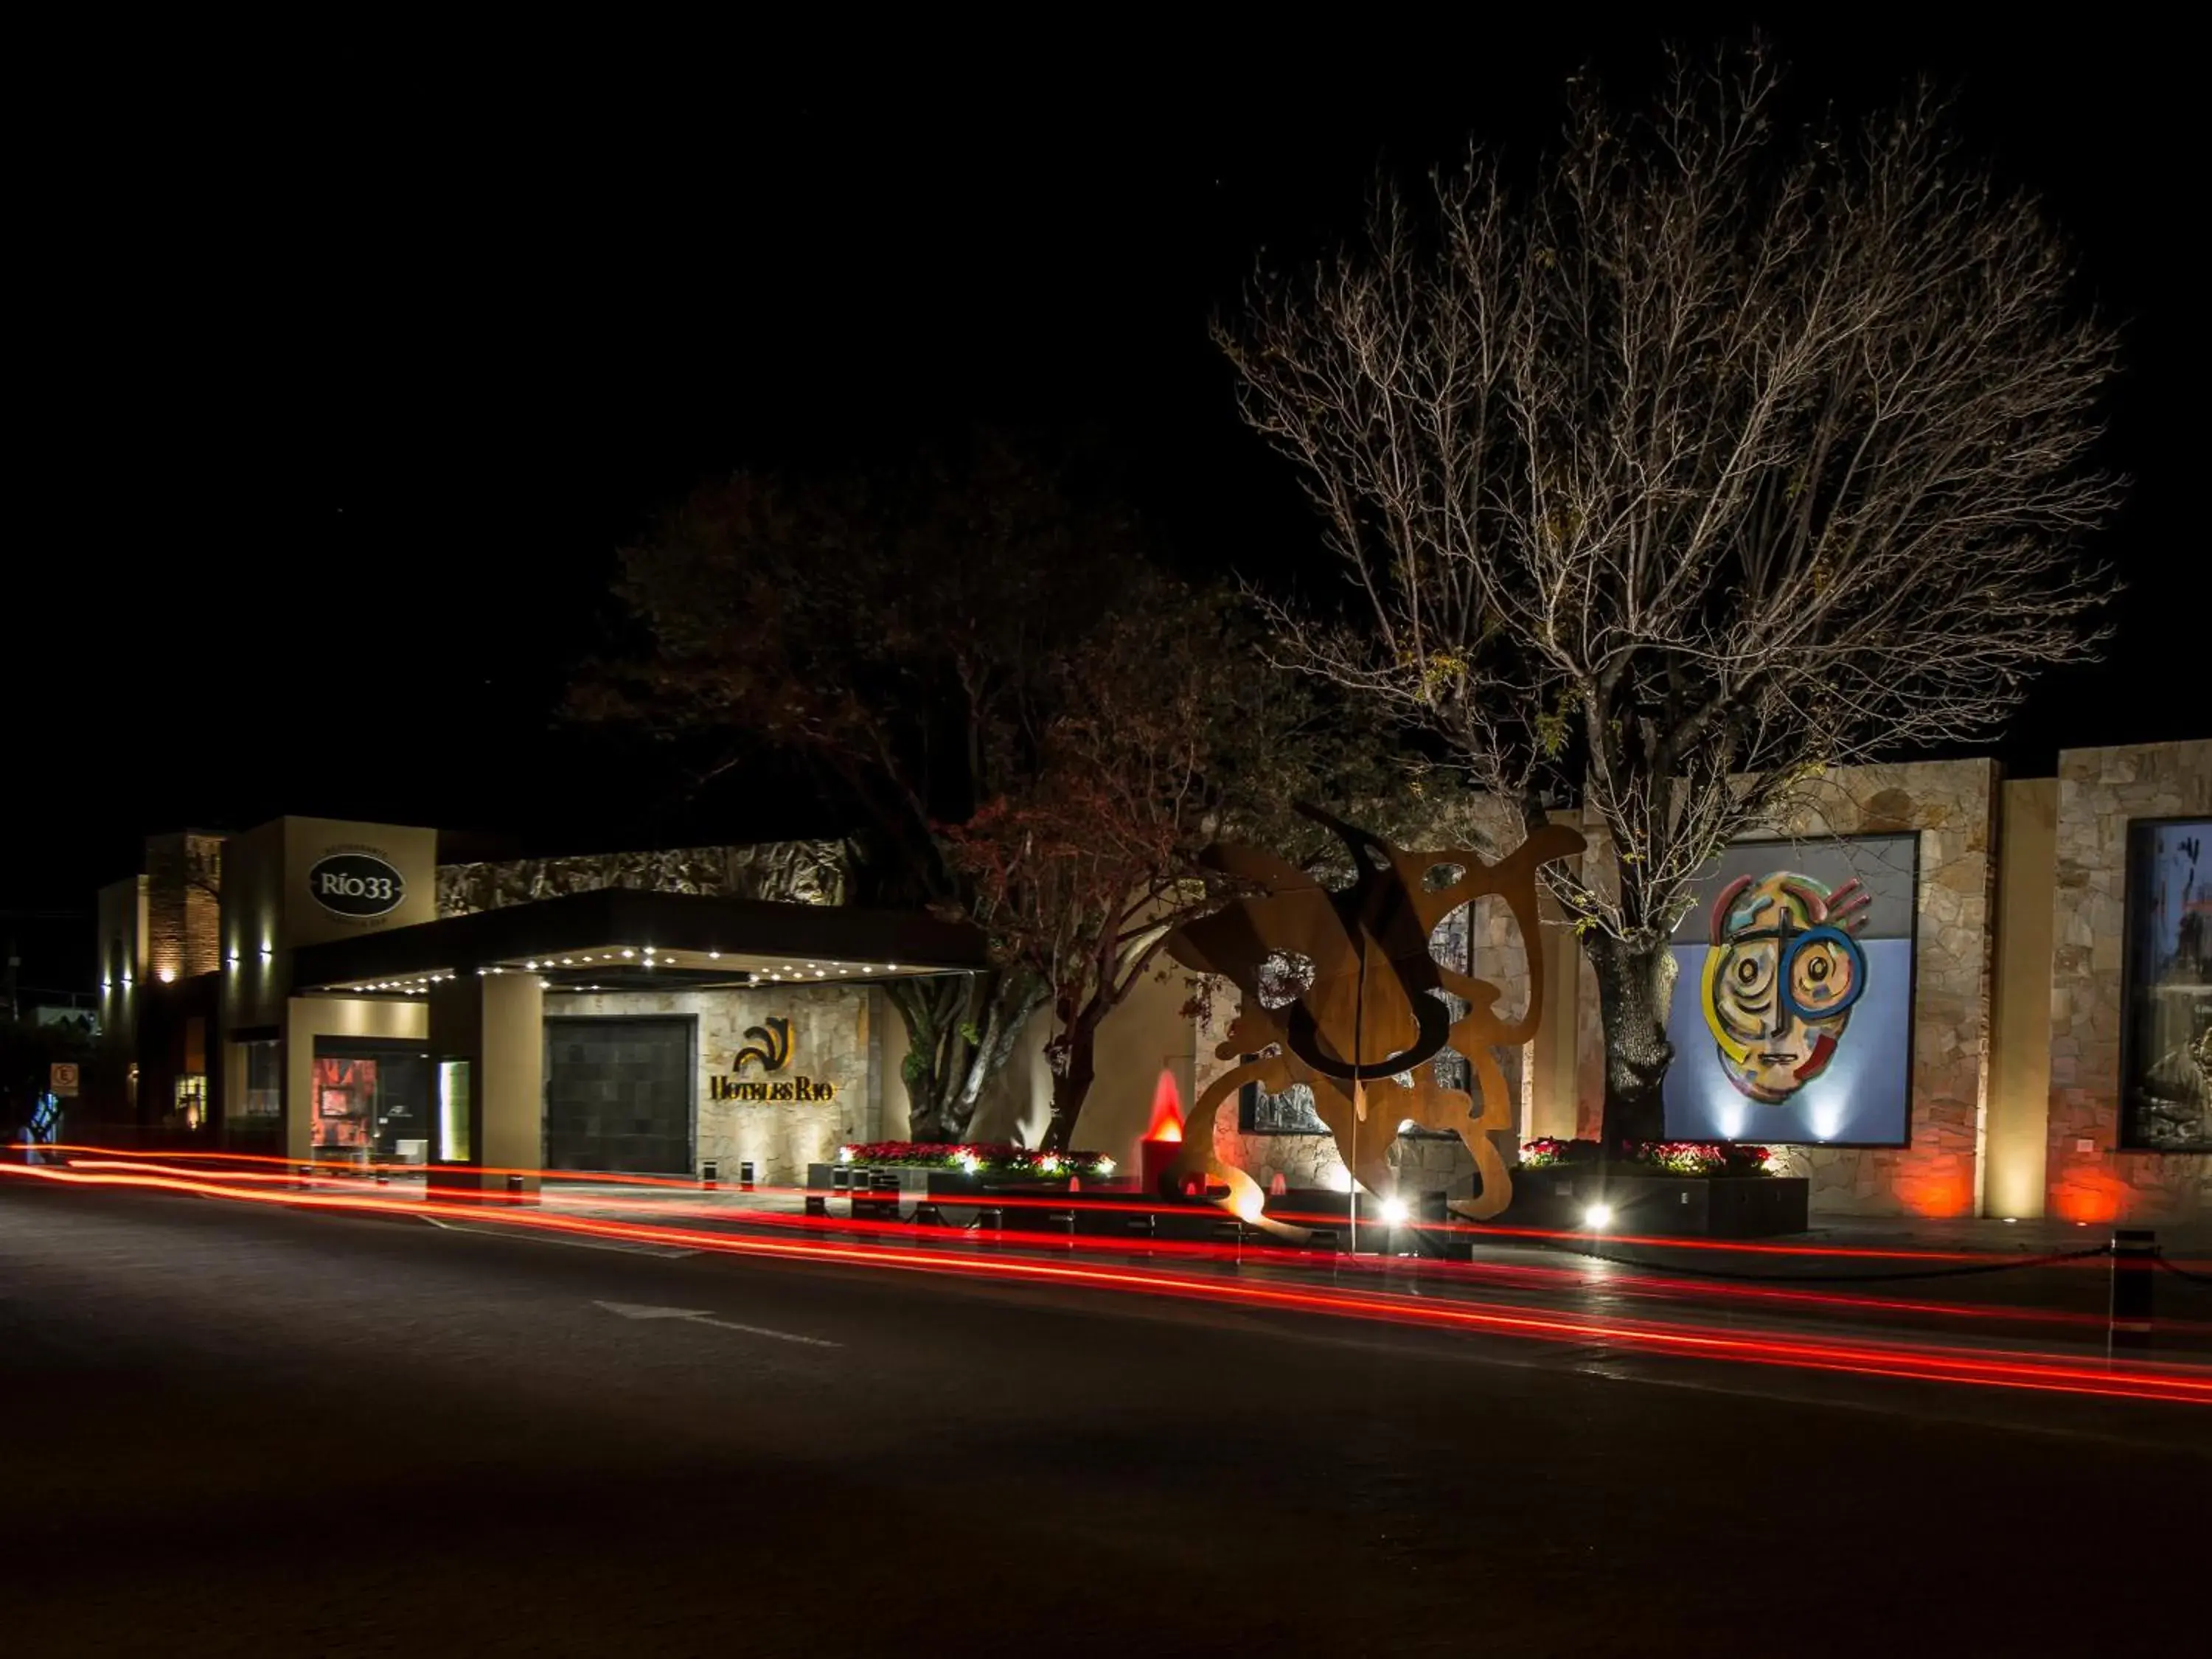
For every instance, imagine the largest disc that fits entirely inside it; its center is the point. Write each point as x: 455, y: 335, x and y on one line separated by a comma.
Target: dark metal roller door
x: 618, y: 1095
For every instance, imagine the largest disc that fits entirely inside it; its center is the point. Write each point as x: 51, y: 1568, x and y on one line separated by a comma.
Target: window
x: 192, y: 1101
x: 259, y: 1102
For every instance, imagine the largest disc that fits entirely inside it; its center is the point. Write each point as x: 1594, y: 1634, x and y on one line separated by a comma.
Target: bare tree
x: 1720, y: 456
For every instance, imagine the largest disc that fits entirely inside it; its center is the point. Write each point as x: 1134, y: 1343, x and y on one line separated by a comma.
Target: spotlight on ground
x: 1598, y: 1216
x: 1396, y: 1212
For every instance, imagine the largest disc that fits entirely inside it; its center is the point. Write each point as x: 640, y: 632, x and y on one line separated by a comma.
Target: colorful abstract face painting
x: 1781, y: 979
x: 1792, y: 1015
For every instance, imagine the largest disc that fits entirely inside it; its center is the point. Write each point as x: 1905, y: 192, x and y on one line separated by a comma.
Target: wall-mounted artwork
x: 2167, y: 1065
x: 1792, y: 1017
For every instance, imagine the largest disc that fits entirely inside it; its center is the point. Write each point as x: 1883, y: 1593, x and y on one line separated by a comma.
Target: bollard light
x: 710, y: 1174
x: 2133, y: 1319
x: 1598, y: 1216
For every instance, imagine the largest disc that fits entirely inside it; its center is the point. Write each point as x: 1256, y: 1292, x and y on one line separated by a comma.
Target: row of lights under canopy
x: 648, y: 957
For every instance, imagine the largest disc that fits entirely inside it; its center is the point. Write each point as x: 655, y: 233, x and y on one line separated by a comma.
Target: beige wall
x: 1148, y: 1035
x: 509, y: 1084
x: 412, y: 852
x: 1553, y: 1106
x: 893, y: 1110
x: 2101, y: 792
x: 1016, y: 1103
x: 307, y: 1018
x: 255, y: 981
x: 2019, y: 1045
x: 495, y: 1022
x: 266, y: 909
x: 122, y: 962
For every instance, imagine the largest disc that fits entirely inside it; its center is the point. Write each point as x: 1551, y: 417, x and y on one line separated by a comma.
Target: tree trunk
x: 1635, y: 985
x: 1070, y: 1085
x: 960, y: 1031
x: 1015, y: 994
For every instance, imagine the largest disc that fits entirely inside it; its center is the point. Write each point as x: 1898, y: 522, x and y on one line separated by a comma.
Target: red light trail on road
x: 1127, y: 1203
x: 1896, y: 1360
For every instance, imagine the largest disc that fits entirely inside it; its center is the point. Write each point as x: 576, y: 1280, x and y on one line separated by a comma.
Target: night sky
x: 333, y: 402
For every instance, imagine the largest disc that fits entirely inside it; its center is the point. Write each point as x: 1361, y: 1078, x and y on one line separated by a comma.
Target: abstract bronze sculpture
x: 1338, y: 991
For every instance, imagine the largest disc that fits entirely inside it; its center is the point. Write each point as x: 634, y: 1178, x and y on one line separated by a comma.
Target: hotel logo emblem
x: 357, y: 884
x: 768, y: 1045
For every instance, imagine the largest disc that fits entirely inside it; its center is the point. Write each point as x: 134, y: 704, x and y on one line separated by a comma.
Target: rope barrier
x: 2052, y: 1260
x: 2180, y: 1272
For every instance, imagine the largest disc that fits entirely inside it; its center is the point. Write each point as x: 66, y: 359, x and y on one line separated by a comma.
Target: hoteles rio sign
x: 356, y: 882
x: 769, y: 1047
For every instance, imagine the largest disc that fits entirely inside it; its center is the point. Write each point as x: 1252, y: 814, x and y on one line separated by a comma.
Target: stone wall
x: 832, y: 1041
x: 1952, y: 805
x: 2101, y: 792
x: 184, y: 905
x: 789, y: 872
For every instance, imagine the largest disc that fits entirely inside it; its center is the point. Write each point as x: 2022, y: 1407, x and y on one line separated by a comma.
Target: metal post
x: 2135, y: 1252
x: 1358, y: 1091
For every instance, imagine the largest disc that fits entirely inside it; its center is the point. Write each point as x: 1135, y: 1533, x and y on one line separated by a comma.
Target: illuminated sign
x: 358, y: 884
x: 721, y: 1086
x: 768, y: 1046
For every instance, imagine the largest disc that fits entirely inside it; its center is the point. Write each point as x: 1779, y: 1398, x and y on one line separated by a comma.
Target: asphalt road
x: 234, y: 1432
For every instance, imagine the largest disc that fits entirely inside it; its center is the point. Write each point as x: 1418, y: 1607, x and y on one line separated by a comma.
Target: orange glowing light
x: 1167, y: 1109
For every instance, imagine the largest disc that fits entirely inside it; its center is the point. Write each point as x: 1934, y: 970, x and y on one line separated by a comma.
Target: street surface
x: 253, y: 1431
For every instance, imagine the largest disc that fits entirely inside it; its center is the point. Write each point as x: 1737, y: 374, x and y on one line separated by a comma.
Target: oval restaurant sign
x: 358, y: 886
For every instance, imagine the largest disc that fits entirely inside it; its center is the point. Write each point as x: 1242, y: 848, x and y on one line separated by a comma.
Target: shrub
x: 1675, y: 1157
x: 975, y: 1157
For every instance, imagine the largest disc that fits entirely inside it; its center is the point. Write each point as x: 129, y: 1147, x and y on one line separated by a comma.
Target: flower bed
x: 975, y: 1157
x: 1658, y: 1157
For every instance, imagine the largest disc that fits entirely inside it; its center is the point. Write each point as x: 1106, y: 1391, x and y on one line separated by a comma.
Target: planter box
x: 1683, y: 1206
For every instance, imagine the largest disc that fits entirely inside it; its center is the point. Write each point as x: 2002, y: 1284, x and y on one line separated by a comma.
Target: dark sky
x: 341, y: 379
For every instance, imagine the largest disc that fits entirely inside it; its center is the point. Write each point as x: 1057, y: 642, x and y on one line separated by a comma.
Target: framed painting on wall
x: 2165, y: 1057
x: 1792, y: 1016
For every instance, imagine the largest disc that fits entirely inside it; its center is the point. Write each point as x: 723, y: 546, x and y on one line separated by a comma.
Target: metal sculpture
x: 1339, y: 990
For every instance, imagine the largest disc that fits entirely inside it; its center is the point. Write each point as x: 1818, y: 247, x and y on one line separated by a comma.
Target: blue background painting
x: 1864, y: 1097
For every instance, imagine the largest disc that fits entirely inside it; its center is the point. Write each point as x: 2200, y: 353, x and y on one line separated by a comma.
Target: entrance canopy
x: 622, y: 939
